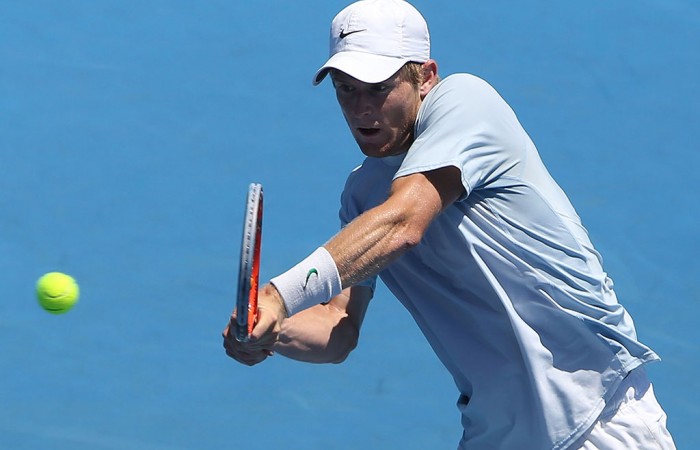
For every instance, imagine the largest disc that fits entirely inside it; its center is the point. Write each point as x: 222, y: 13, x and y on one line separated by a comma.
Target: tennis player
x: 454, y: 210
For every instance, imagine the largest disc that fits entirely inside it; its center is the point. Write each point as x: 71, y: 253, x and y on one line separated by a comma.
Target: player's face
x: 380, y: 115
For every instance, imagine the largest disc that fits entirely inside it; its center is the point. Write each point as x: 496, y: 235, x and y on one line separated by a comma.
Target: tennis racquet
x: 249, y: 271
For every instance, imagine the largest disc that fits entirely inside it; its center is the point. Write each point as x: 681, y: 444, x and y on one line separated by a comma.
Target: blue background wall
x: 129, y: 132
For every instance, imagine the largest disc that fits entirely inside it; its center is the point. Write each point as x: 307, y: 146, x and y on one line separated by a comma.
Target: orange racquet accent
x: 249, y: 272
x: 255, y: 274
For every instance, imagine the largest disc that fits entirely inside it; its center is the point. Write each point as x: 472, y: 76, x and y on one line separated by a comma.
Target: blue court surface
x: 130, y: 131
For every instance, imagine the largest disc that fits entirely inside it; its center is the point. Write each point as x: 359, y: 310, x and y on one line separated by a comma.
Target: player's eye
x: 343, y: 87
x: 381, y: 88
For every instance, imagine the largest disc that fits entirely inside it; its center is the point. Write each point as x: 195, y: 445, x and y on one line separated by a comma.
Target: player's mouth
x: 368, y: 132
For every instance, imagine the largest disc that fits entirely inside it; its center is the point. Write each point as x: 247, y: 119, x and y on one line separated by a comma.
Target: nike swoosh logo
x: 343, y: 34
x: 308, y: 275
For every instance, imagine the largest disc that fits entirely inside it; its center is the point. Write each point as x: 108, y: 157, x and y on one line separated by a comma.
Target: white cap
x: 372, y: 39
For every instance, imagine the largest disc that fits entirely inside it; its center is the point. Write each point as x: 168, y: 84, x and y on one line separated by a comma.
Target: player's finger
x: 227, y: 333
x: 242, y: 351
x: 264, y: 334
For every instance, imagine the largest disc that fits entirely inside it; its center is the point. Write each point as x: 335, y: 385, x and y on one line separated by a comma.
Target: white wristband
x: 314, y: 280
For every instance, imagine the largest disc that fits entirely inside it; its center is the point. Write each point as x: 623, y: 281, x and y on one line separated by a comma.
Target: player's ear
x: 430, y: 77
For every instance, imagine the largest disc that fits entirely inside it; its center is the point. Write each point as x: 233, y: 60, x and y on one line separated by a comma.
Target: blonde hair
x: 413, y: 73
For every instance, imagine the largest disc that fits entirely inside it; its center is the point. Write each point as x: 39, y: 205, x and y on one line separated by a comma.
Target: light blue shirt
x: 505, y: 283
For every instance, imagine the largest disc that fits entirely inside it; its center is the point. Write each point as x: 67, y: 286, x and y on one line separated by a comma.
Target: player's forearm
x: 371, y: 242
x: 321, y: 334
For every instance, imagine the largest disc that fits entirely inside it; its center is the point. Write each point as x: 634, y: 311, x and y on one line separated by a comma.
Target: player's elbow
x: 409, y: 226
x: 408, y: 235
x: 411, y: 237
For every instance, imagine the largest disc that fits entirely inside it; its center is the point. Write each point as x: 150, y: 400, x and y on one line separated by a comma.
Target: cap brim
x: 365, y: 67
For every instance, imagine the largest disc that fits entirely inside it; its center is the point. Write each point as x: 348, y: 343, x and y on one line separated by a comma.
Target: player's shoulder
x: 464, y: 83
x: 463, y: 78
x: 458, y: 96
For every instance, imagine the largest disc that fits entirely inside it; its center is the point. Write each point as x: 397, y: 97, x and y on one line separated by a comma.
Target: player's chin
x: 374, y: 150
x: 379, y: 148
x: 369, y: 144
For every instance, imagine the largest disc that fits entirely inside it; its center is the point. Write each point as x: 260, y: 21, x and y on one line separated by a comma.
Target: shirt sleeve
x: 464, y: 122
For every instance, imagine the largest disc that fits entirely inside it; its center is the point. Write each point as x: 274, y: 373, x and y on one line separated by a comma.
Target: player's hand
x: 237, y: 350
x: 271, y: 314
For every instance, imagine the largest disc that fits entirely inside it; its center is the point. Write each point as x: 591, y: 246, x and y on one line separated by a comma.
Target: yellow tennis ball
x: 57, y: 292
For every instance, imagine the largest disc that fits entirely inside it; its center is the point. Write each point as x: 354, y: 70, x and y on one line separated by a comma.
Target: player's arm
x: 366, y: 245
x: 382, y: 234
x: 325, y: 333
x: 328, y: 332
